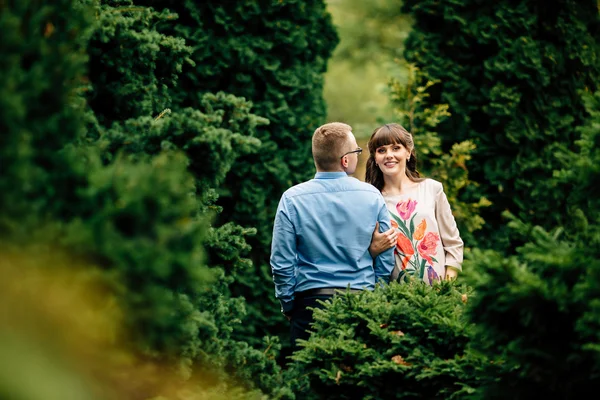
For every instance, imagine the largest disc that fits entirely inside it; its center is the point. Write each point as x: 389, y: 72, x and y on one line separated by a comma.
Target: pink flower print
x: 405, y: 208
x: 426, y: 247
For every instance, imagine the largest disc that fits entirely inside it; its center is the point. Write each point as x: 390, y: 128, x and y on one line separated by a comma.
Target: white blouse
x: 428, y: 239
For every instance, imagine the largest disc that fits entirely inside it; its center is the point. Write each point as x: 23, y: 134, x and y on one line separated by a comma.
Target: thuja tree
x: 132, y: 218
x: 538, y: 312
x: 274, y: 54
x: 133, y: 67
x: 510, y: 72
x: 402, y: 341
x: 62, y: 196
x: 42, y: 63
x: 138, y: 220
x: 129, y: 94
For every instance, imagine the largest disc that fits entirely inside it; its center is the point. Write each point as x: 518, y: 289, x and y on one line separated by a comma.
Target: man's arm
x: 384, y: 262
x: 283, y: 257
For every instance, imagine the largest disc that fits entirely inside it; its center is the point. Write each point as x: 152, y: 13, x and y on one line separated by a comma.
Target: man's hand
x: 451, y: 273
x: 383, y: 241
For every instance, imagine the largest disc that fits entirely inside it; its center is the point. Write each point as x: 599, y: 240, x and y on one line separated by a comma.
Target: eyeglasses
x: 358, y: 150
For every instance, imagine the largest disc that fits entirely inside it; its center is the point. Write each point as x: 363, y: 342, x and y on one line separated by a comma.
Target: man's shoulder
x: 299, y: 188
x: 330, y: 185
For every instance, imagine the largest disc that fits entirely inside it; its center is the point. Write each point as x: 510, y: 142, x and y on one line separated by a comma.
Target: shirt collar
x: 330, y: 175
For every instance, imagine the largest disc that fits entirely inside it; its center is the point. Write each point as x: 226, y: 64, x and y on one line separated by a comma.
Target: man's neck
x: 322, y: 170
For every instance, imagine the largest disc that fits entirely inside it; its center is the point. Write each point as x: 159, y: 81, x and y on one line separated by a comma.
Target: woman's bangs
x: 385, y: 136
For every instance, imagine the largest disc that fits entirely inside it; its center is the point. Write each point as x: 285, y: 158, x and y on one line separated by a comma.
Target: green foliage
x: 213, y: 138
x: 582, y: 172
x: 539, y: 311
x: 139, y: 221
x: 408, y: 100
x: 222, y: 359
x: 133, y: 67
x: 538, y: 314
x: 41, y: 70
x: 510, y: 72
x: 400, y: 341
x: 275, y: 55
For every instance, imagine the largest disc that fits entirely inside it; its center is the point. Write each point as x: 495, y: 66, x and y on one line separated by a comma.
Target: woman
x: 428, y: 244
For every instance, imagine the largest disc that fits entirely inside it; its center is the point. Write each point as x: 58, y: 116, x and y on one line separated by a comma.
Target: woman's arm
x: 449, y: 234
x: 382, y: 241
x: 451, y: 273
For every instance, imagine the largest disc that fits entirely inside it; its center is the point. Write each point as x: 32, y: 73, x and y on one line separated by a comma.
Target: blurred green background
x: 369, y: 54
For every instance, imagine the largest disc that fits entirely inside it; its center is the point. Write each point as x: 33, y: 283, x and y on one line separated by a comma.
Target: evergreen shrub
x: 539, y: 310
x: 402, y: 341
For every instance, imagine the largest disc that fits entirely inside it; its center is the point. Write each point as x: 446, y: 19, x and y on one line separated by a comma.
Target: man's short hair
x: 329, y: 142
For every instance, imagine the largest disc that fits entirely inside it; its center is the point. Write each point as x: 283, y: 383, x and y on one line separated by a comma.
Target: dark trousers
x: 302, y: 317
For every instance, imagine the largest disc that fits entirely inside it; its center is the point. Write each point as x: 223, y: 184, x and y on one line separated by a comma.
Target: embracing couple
x: 335, y: 232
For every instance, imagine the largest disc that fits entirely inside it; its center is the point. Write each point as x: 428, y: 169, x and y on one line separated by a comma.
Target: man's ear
x: 345, y: 162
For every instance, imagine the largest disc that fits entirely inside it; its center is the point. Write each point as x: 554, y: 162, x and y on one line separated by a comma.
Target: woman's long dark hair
x: 382, y: 136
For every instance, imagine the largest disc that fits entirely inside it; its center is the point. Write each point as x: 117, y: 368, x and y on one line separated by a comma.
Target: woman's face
x: 391, y: 158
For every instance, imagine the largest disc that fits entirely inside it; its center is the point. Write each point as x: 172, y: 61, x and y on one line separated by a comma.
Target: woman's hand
x: 383, y: 241
x: 451, y: 273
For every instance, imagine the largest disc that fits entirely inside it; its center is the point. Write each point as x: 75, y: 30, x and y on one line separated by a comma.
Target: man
x: 323, y: 229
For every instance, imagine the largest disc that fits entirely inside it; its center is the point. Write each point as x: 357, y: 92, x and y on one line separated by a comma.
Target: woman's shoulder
x: 433, y: 185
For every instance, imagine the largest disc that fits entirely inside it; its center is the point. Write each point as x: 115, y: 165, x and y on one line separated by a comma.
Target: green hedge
x: 511, y: 73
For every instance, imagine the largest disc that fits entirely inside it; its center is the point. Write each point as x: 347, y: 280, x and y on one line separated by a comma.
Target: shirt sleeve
x: 384, y: 262
x: 449, y: 234
x: 283, y: 257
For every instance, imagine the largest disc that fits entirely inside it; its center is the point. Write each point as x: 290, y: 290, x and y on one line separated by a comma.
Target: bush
x: 400, y: 341
x: 539, y: 311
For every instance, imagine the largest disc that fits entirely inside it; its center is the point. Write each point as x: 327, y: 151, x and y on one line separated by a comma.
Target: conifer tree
x: 538, y: 311
x: 41, y: 69
x: 511, y: 73
x: 133, y: 218
x: 212, y: 136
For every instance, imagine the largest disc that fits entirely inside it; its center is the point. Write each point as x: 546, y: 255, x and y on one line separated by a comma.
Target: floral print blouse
x: 428, y: 239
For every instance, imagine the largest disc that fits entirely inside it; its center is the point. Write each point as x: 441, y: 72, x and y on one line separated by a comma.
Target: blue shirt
x: 321, y: 237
